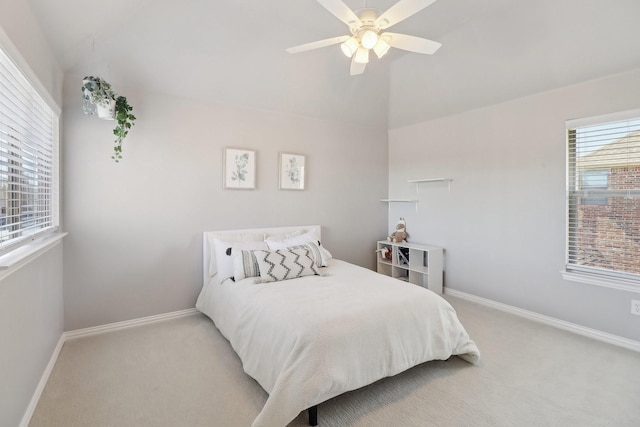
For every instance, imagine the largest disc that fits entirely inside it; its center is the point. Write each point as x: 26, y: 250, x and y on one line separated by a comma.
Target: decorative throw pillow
x: 314, y: 252
x: 285, y: 264
x: 224, y: 260
x: 308, y: 238
x: 245, y: 264
x: 239, y: 237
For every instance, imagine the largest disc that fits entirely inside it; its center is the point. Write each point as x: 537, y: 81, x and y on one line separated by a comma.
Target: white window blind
x: 27, y: 137
x: 604, y: 198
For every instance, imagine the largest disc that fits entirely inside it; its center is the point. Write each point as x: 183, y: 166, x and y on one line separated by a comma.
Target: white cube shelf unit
x: 413, y: 263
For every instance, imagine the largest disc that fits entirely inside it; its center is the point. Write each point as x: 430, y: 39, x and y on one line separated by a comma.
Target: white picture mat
x: 239, y: 169
x: 292, y: 171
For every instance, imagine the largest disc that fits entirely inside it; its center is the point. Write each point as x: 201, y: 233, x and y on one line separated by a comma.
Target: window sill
x: 25, y: 253
x: 607, y: 282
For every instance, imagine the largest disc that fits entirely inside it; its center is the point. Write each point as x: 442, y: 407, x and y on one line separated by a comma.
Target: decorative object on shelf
x: 385, y: 253
x: 239, y: 169
x: 400, y: 235
x: 99, y: 98
x: 403, y: 256
x: 292, y: 171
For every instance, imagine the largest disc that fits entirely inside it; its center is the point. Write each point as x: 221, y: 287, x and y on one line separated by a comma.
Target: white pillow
x: 300, y: 239
x: 285, y: 235
x: 239, y: 237
x: 311, y: 236
x: 284, y: 264
x: 223, y: 255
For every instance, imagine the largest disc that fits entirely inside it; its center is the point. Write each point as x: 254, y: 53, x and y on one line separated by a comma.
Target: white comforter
x: 309, y: 339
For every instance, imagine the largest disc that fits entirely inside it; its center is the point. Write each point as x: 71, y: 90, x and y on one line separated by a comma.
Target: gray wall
x: 31, y: 311
x: 134, y: 243
x: 503, y: 223
x: 31, y: 323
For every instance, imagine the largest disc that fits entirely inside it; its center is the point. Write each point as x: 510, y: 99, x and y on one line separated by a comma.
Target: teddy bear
x: 400, y: 235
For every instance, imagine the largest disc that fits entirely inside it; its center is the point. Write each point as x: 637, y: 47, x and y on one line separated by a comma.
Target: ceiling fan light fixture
x: 362, y: 55
x: 381, y: 48
x: 369, y: 39
x: 368, y: 30
x: 349, y: 47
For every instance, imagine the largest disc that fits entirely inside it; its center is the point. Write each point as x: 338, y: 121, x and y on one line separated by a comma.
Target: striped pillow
x: 245, y: 264
x: 284, y: 264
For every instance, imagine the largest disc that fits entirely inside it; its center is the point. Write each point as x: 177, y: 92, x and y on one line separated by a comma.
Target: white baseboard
x: 551, y: 321
x: 26, y: 419
x: 110, y: 327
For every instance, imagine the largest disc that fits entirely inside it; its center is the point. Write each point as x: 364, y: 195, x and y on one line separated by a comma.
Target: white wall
x: 31, y: 323
x: 503, y: 223
x: 134, y: 243
x: 19, y: 25
x: 31, y: 311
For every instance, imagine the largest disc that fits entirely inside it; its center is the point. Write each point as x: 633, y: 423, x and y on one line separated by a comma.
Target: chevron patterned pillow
x: 284, y: 264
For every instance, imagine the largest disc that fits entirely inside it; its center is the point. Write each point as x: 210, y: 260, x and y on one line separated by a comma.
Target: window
x: 28, y: 155
x: 604, y: 196
x: 591, y: 181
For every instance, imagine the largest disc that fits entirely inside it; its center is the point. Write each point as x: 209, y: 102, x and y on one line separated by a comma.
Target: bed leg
x: 313, y: 415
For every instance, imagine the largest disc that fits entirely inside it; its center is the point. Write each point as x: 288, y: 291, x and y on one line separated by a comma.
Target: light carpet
x: 182, y: 372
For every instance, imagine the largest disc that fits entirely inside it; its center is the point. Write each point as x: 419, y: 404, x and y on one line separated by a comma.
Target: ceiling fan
x: 366, y: 26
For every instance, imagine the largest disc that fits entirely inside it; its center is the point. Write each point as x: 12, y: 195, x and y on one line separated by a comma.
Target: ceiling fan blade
x: 411, y: 43
x: 341, y: 11
x: 401, y: 11
x: 356, y: 67
x: 318, y: 44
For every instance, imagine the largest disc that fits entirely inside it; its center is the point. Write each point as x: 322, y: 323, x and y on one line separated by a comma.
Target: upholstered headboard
x: 208, y: 236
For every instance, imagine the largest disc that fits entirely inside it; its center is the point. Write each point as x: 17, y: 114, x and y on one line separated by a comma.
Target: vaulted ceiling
x: 232, y: 52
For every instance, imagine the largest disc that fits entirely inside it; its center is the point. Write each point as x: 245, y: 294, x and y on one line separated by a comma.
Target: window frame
x: 575, y: 272
x: 30, y: 245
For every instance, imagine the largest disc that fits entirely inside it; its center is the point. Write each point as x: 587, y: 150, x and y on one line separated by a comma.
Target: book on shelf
x: 403, y: 256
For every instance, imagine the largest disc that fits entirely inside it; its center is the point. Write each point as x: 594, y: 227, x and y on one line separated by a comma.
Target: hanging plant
x: 125, y: 120
x: 99, y: 98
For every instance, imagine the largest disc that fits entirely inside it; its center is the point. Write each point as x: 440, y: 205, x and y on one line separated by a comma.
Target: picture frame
x: 292, y: 171
x: 239, y: 169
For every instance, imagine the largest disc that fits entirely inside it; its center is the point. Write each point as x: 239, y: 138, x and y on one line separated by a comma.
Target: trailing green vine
x: 124, y: 120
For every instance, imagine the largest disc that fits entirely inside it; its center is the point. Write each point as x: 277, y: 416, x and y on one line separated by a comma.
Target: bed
x: 321, y: 326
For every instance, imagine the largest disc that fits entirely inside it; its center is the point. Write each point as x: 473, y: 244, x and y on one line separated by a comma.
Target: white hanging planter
x: 100, y: 99
x: 106, y: 111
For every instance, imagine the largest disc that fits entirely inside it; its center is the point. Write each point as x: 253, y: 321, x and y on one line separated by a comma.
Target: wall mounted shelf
x: 430, y: 180
x: 427, y: 180
x: 390, y: 201
x: 417, y: 181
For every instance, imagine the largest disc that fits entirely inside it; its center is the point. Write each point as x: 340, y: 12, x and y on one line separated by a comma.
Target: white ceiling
x: 232, y: 52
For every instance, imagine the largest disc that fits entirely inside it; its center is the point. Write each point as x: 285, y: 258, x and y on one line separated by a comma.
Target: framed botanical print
x: 292, y: 171
x: 239, y: 169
